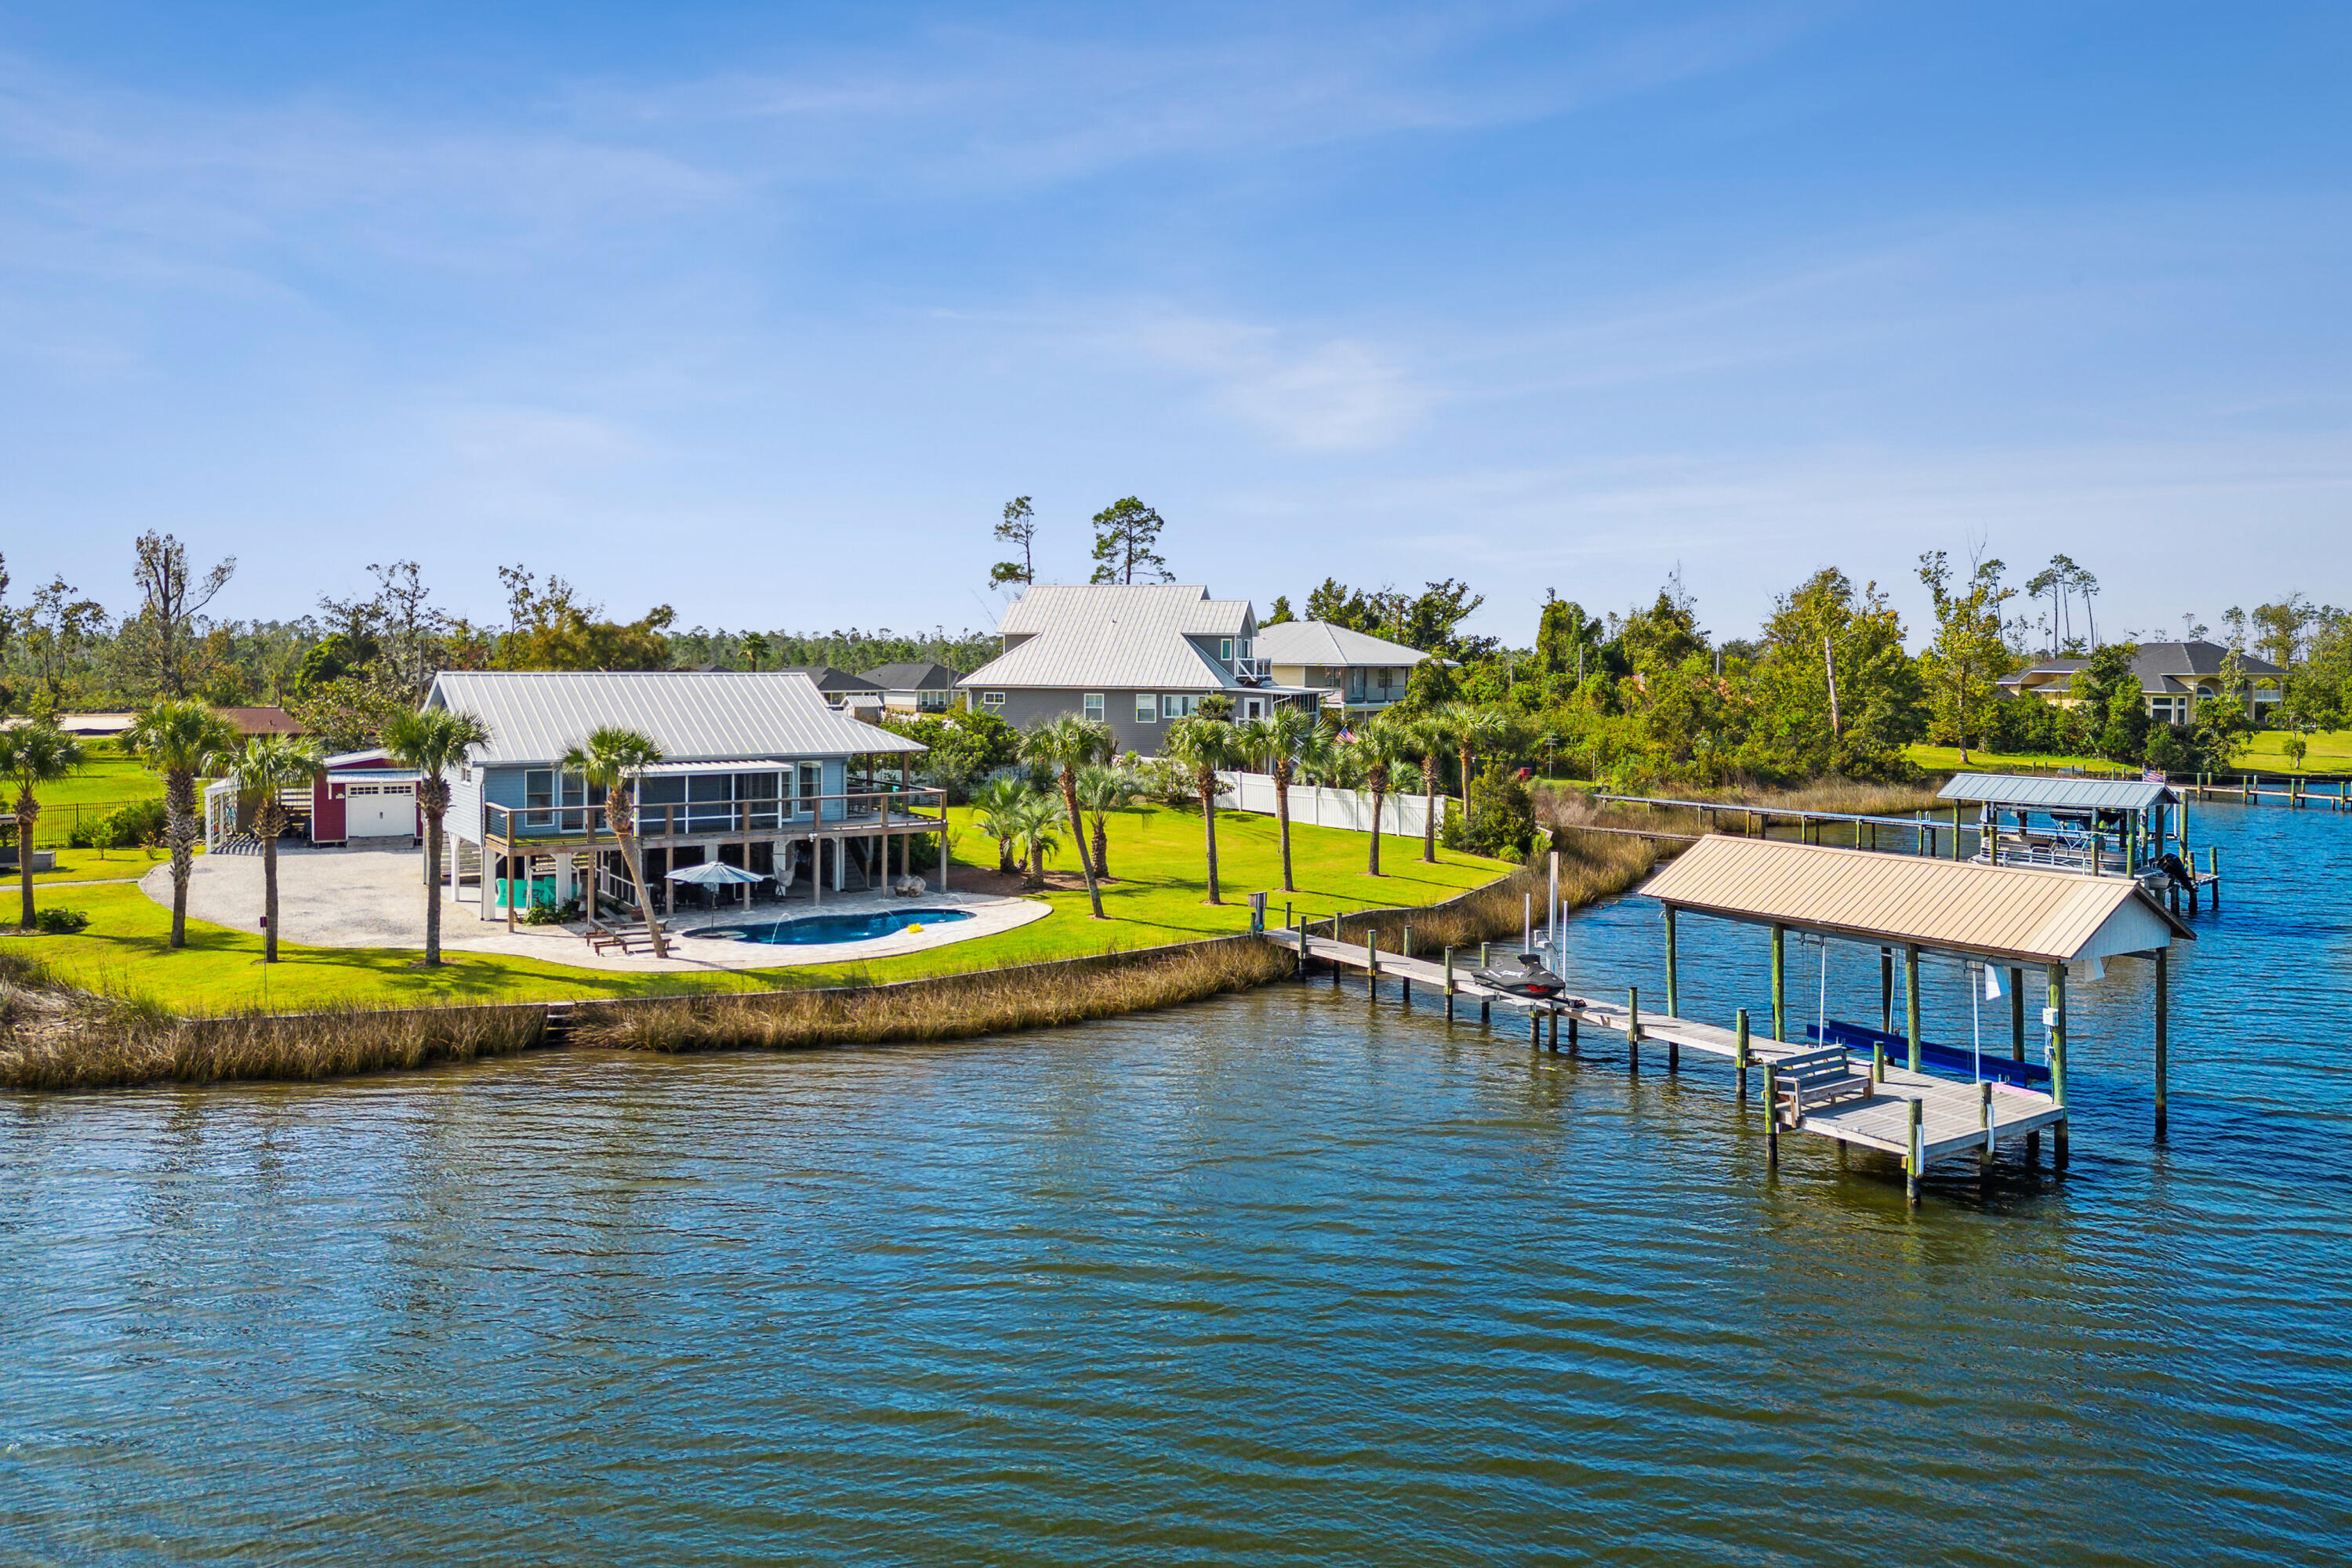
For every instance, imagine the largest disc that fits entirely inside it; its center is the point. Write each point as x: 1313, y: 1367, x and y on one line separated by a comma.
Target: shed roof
x: 534, y: 716
x: 1114, y: 636
x: 2058, y: 794
x: 2003, y: 913
x: 1321, y: 643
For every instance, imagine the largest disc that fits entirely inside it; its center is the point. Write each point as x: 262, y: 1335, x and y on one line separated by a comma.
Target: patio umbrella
x: 718, y: 874
x: 714, y: 874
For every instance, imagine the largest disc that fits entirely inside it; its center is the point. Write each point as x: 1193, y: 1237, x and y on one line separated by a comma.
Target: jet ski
x: 1522, y: 975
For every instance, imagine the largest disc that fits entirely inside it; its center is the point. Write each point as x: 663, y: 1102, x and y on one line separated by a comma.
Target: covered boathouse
x: 2010, y: 918
x: 757, y: 771
x: 2113, y: 828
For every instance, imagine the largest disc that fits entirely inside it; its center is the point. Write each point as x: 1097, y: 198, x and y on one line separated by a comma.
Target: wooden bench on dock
x: 1809, y: 1079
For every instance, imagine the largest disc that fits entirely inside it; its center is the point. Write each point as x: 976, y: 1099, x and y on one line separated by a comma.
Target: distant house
x: 1359, y: 671
x: 757, y: 772
x: 1134, y: 656
x: 919, y: 687
x: 2174, y: 676
x: 842, y: 691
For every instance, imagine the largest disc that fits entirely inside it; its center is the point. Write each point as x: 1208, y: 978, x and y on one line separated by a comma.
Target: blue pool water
x: 814, y: 929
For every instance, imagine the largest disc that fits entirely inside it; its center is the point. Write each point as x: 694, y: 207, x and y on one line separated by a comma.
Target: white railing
x: 1403, y: 816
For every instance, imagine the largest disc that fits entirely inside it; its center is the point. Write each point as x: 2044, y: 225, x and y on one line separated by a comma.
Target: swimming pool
x: 815, y: 930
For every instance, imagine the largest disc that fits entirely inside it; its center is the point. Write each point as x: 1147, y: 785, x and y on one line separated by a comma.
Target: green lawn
x: 2330, y: 753
x: 1155, y: 851
x: 107, y: 781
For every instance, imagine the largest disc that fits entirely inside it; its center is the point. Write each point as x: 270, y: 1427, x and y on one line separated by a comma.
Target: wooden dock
x: 1915, y: 1115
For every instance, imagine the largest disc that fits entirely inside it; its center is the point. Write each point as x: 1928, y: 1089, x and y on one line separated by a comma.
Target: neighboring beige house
x: 1355, y: 669
x: 2174, y: 676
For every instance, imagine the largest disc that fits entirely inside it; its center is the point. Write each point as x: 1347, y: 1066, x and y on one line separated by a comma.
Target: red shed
x: 363, y: 798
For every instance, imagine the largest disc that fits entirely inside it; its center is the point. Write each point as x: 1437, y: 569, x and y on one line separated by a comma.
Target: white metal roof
x: 1321, y: 643
x: 535, y: 716
x: 1114, y: 636
x: 2057, y: 795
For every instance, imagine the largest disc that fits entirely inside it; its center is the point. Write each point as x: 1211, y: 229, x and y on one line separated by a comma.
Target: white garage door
x: 380, y: 811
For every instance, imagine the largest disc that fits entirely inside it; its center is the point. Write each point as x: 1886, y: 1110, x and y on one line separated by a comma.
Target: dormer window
x: 1225, y: 650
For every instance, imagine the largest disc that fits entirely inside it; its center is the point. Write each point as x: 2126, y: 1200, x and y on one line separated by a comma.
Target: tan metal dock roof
x: 2006, y: 912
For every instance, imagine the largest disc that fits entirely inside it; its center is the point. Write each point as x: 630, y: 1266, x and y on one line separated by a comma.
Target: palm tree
x: 32, y: 756
x: 183, y: 739
x: 1037, y: 821
x: 1431, y: 738
x: 436, y: 743
x: 1479, y: 730
x: 610, y: 760
x: 266, y: 768
x: 1284, y: 740
x: 993, y: 806
x: 1103, y: 791
x: 1381, y: 744
x: 1200, y: 745
x: 1067, y: 746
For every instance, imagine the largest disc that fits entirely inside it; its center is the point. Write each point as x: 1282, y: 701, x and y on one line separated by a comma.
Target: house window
x: 1094, y: 706
x: 811, y: 785
x: 1172, y: 706
x: 992, y: 700
x: 1147, y: 708
x: 1225, y: 649
x: 931, y: 700
x: 1245, y: 645
x: 464, y: 773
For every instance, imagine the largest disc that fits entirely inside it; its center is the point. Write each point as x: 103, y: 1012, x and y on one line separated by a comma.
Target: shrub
x: 61, y: 923
x: 546, y: 911
x: 1501, y: 820
x: 126, y: 828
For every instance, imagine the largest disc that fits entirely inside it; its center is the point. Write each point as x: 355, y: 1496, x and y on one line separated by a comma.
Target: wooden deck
x: 1955, y: 1118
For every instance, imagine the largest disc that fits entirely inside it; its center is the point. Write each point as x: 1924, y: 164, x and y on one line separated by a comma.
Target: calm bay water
x: 1280, y: 1278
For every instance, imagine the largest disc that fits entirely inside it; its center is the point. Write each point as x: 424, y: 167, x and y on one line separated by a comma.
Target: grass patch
x: 2330, y: 751
x: 941, y: 1008
x: 1155, y: 852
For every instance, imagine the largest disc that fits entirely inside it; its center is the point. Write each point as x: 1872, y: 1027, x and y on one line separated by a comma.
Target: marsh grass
x: 55, y: 1037
x: 1591, y: 866
x: 946, y: 1007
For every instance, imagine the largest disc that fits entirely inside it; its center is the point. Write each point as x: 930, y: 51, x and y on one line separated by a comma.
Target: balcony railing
x: 1253, y: 669
x: 865, y: 811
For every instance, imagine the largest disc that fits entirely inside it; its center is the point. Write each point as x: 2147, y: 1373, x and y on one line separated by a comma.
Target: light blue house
x: 757, y: 771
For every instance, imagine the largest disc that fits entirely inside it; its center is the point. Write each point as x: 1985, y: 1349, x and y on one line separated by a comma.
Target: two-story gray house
x: 1135, y: 656
x: 1358, y: 670
x: 756, y: 771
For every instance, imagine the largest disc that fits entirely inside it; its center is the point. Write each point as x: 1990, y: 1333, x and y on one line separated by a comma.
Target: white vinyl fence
x: 1401, y: 815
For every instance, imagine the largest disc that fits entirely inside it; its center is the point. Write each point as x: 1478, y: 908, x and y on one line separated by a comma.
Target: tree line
x: 352, y: 665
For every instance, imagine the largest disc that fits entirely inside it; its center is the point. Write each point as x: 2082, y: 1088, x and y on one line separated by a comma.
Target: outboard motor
x: 2181, y: 875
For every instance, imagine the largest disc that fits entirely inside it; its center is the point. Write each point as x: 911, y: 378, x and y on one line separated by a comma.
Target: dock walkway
x: 1951, y: 1117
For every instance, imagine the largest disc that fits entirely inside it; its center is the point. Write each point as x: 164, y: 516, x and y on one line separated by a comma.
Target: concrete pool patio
x: 375, y: 898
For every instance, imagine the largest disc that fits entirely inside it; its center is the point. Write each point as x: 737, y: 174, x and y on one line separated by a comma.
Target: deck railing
x: 876, y: 810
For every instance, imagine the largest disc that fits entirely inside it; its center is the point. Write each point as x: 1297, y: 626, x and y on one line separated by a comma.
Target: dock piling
x: 1911, y: 1005
x: 1771, y: 1114
x: 1633, y: 1027
x: 2163, y: 1031
x: 1739, y: 1049
x: 1914, y: 1161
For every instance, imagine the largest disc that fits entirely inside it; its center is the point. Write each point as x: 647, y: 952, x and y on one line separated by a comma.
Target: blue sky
x: 764, y: 311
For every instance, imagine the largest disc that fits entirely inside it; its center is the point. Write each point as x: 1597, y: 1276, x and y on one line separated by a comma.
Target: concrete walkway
x: 375, y: 898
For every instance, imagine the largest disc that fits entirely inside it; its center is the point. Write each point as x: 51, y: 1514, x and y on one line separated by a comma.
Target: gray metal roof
x: 1321, y: 643
x: 1114, y: 637
x: 535, y: 716
x: 2057, y: 795
x: 919, y: 676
